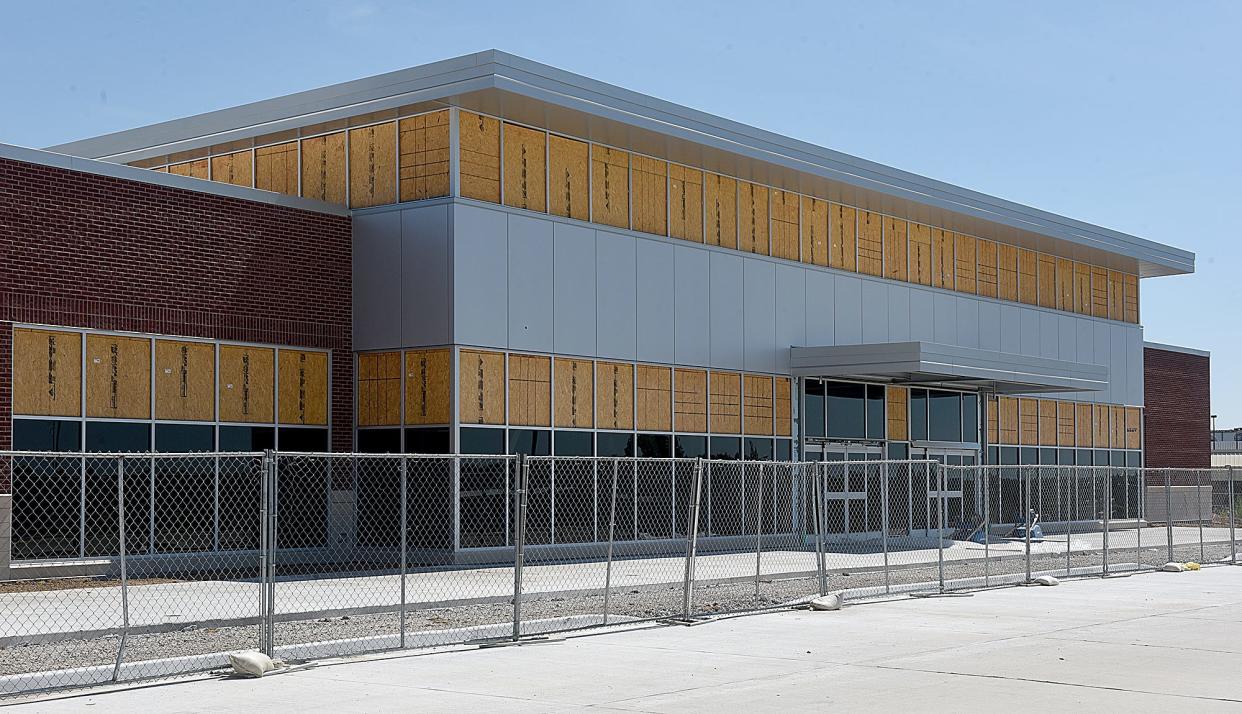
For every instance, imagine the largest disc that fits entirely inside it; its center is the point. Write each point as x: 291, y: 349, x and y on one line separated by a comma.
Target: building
x: 1177, y: 386
x: 489, y: 255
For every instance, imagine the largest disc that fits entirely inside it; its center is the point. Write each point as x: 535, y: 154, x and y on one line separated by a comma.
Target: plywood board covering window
x: 842, y: 232
x: 428, y: 382
x: 944, y: 266
x: 654, y: 389
x: 986, y: 277
x: 1083, y: 425
x: 236, y: 169
x: 1008, y: 420
x: 785, y: 242
x: 964, y: 258
x: 610, y: 186
x: 303, y: 387
x: 784, y: 406
x: 752, y: 201
x: 1116, y: 296
x: 1047, y: 422
x: 896, y: 245
x: 1117, y: 427
x: 1134, y: 434
x: 247, y: 384
x: 194, y: 169
x: 870, y: 243
x: 47, y: 373
x: 1099, y: 425
x: 424, y: 145
x: 1028, y: 281
x: 479, y: 139
x: 481, y: 387
x: 725, y: 402
x: 690, y: 401
x: 1131, y: 288
x: 276, y: 168
x: 118, y: 377
x: 185, y: 380
x: 685, y: 196
x: 993, y: 422
x: 1007, y: 271
x: 1065, y: 423
x: 574, y: 404
x: 1065, y: 285
x: 323, y: 168
x: 1047, y: 281
x: 530, y: 390
x: 720, y: 204
x: 569, y: 178
x: 650, y: 195
x: 920, y: 254
x: 525, y: 167
x: 1099, y: 292
x: 379, y: 389
x: 757, y: 405
x: 815, y: 231
x: 897, y: 411
x: 1028, y: 414
x: 614, y: 395
x: 373, y: 165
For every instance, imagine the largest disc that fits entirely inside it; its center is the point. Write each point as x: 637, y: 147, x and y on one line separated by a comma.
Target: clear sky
x: 1126, y: 114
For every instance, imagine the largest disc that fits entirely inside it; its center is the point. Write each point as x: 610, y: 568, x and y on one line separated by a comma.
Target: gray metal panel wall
x: 728, y: 347
x: 616, y: 303
x: 791, y: 308
x: 692, y: 305
x: 655, y: 293
x: 377, y: 280
x: 573, y: 274
x: 530, y: 269
x: 480, y: 277
x: 426, y: 300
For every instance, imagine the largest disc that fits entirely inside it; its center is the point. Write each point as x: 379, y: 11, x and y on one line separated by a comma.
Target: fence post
x: 1071, y: 501
x: 1168, y: 511
x: 987, y: 526
x: 1108, y: 512
x: 1199, y: 510
x: 404, y: 528
x: 1029, y: 510
x: 1140, y: 483
x: 817, y: 495
x: 940, y: 512
x: 263, y: 536
x: 519, y: 544
x: 884, y: 521
x: 612, y: 534
x: 687, y: 586
x: 1233, y: 542
x: 758, y: 527
x: 120, y: 520
x: 273, y: 494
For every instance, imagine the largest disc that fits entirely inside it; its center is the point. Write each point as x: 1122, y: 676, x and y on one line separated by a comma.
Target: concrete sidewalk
x: 1152, y: 642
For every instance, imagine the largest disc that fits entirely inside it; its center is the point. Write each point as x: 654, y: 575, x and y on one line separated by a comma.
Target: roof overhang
x: 936, y: 365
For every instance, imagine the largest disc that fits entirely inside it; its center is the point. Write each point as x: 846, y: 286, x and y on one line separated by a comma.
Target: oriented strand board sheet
x: 185, y: 380
x: 323, y: 168
x: 650, y: 195
x: 725, y: 402
x: 1130, y: 287
x: 569, y: 178
x: 574, y: 403
x: 920, y: 254
x: 896, y: 246
x: 1047, y: 281
x: 614, y: 395
x: 610, y: 186
x: 1065, y: 284
x: 1134, y: 431
x: 194, y: 169
x: 986, y: 259
x: 993, y: 426
x: 479, y: 161
x: 379, y: 389
x: 1116, y: 296
x: 757, y: 407
x: 428, y: 384
x: 944, y: 265
x: 1083, y: 430
x: 1028, y: 281
x: 685, y: 203
x: 276, y: 168
x: 785, y: 225
x: 530, y: 390
x: 373, y: 165
x: 118, y: 377
x: 870, y: 243
x: 525, y: 167
x: 1047, y: 422
x: 1065, y: 423
x: 47, y: 373
x: 654, y: 388
x: 424, y: 158
x: 1099, y: 292
x: 964, y: 260
x: 897, y: 412
x: 236, y: 169
x: 247, y: 384
x: 690, y: 400
x: 815, y: 231
x: 752, y: 220
x: 302, y: 387
x: 1082, y: 288
x: 1008, y: 420
x: 1117, y: 426
x: 481, y: 387
x: 784, y: 406
x: 720, y: 209
x: 1007, y: 271
x: 843, y: 237
x: 1028, y: 416
x: 1099, y: 425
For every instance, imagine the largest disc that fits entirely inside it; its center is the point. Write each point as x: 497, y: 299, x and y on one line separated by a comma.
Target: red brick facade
x: 1177, y: 414
x: 84, y: 250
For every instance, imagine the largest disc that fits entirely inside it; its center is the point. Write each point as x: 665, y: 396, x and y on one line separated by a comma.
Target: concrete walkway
x: 1151, y: 642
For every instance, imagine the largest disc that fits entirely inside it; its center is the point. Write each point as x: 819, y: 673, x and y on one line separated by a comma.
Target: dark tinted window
x: 970, y: 418
x: 1116, y: 458
x: 611, y: 443
x: 1028, y: 455
x: 690, y: 447
x: 784, y: 449
x: 1008, y: 455
x: 303, y: 439
x: 726, y: 447
x: 1100, y: 457
x: 110, y: 436
x: 184, y: 438
x: 1134, y: 458
x: 758, y: 449
x: 875, y: 411
x: 655, y: 446
x: 918, y: 415
x: 1065, y: 457
x: 846, y: 407
x: 945, y: 416
x: 532, y: 442
x: 813, y: 417
x: 575, y: 443
x: 482, y: 441
x: 1047, y: 456
x: 898, y: 450
x: 427, y: 441
x: 46, y: 435
x: 1082, y: 457
x: 247, y: 438
x: 379, y: 441
x: 993, y: 455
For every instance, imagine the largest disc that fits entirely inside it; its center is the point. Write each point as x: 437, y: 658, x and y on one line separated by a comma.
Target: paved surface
x: 1153, y: 642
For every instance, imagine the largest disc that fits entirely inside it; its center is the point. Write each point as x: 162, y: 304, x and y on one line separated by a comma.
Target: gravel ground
x: 447, y: 626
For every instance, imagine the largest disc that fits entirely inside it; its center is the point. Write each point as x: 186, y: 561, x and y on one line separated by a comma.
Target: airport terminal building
x: 491, y: 255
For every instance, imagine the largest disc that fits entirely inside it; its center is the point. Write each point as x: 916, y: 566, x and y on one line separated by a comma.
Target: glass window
x: 846, y: 406
x: 690, y: 447
x: 613, y: 444
x: 1100, y: 457
x: 1065, y: 457
x: 1008, y: 455
x: 784, y: 450
x: 1047, y: 456
x: 302, y: 439
x: 247, y: 438
x: 898, y: 450
x: 482, y: 441
x: 945, y: 416
x: 46, y: 435
x: 532, y: 442
x: 875, y: 411
x: 655, y: 446
x: 574, y: 443
x: 726, y: 447
x: 1028, y: 455
x: 813, y: 417
x: 184, y: 438
x: 1116, y: 458
x: 379, y: 441
x: 970, y: 418
x: 1134, y: 459
x: 112, y: 436
x: 434, y: 440
x: 758, y: 449
x: 918, y: 415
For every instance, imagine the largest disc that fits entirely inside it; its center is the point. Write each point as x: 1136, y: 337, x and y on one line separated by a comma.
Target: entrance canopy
x: 937, y: 365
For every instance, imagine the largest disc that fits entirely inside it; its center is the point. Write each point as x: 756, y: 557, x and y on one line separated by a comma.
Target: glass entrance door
x: 853, y: 491
x: 952, y: 503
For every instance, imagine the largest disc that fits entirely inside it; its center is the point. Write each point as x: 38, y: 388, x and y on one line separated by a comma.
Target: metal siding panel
x: 655, y: 298
x: 725, y: 303
x: 821, y: 299
x: 1010, y: 329
x: 945, y: 318
x: 1103, y: 354
x: 530, y: 283
x: 1118, y: 371
x: 1030, y: 331
x: 480, y: 277
x: 377, y: 280
x: 615, y: 298
x: 790, y: 312
x: 1049, y: 335
x: 1134, y: 366
x: 898, y: 313
x: 1067, y: 345
x: 922, y: 315
x: 989, y: 325
x: 874, y: 312
x: 968, y: 321
x: 573, y: 272
x: 1085, y: 344
x: 759, y: 314
x: 848, y: 310
x: 691, y: 306
x: 426, y: 312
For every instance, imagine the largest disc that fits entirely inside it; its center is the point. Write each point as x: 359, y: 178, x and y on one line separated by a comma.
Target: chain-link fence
x: 128, y: 567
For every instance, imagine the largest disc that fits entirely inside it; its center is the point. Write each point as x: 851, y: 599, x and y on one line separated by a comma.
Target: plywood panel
x: 1116, y: 296
x: 725, y: 402
x: 964, y: 259
x: 424, y: 158
x: 614, y: 395
x: 569, y: 178
x: 654, y: 388
x: 685, y: 197
x: 428, y: 383
x: 1083, y: 425
x: 47, y: 373
x: 530, y: 390
x: 1007, y: 271
x: 379, y: 389
x: 194, y: 169
x: 1131, y: 289
x: 720, y: 203
x: 784, y: 406
x: 1117, y: 426
x: 185, y: 380
x: 302, y: 388
x: 1099, y: 425
x: 373, y: 165
x: 479, y: 138
x: 323, y: 168
x: 236, y: 169
x: 1134, y: 433
x: 276, y: 168
x: 118, y: 377
x: 610, y: 186
x: 752, y: 221
x: 690, y: 400
x: 896, y: 246
x: 1047, y: 422
x: 921, y: 270
x: 1028, y: 416
x: 1099, y: 292
x: 1008, y: 420
x: 870, y: 243
x: 944, y: 264
x: 897, y: 412
x: 815, y: 231
x: 247, y: 384
x: 843, y: 237
x: 1028, y: 281
x: 1065, y: 423
x: 650, y: 195
x: 1047, y: 281
x: 993, y: 426
x: 481, y: 387
x: 574, y: 403
x: 1082, y: 288
x: 986, y: 260
x: 757, y: 408
x: 1065, y: 285
x: 785, y: 243
x: 525, y: 167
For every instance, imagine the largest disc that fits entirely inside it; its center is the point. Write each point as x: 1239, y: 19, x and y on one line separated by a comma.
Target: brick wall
x: 1177, y: 417
x: 82, y: 250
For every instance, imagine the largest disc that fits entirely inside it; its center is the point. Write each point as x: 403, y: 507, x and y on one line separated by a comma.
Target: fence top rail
x: 131, y: 455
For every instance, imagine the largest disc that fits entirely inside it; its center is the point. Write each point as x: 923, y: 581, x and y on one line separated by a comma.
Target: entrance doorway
x: 960, y: 490
x: 853, y: 493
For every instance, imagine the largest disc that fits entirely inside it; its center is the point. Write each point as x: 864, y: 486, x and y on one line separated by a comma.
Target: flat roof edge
x: 1176, y: 348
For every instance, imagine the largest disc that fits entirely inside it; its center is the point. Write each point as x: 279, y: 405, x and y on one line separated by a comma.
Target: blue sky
x: 1124, y: 114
